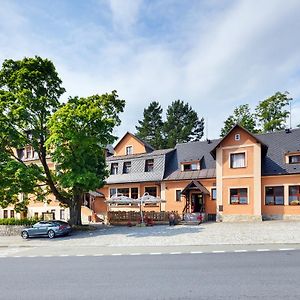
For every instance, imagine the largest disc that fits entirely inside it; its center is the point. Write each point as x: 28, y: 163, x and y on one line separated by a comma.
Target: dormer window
x: 149, y: 165
x: 294, y: 159
x: 114, y: 169
x: 126, y: 167
x: 28, y: 152
x: 190, y: 166
x: 129, y: 150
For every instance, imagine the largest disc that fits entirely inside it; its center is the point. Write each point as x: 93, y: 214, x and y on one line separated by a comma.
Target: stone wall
x: 281, y: 217
x: 6, y: 230
x: 241, y: 218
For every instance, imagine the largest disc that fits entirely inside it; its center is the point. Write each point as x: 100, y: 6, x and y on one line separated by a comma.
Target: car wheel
x: 24, y: 235
x: 51, y: 234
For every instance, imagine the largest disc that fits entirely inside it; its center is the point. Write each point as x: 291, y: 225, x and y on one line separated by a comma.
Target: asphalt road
x: 251, y: 275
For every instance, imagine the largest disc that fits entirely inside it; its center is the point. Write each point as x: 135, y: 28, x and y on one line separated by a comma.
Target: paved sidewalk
x: 268, y: 232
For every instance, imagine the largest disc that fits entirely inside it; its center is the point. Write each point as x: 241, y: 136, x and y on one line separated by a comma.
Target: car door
x: 43, y: 229
x: 34, y: 230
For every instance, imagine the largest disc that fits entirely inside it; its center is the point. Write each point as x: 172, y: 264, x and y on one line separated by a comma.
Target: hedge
x: 12, y: 221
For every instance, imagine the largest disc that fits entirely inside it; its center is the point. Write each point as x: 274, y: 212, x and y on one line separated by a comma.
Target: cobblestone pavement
x: 267, y: 232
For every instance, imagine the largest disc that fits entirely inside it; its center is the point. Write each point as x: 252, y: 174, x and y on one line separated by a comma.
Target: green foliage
x: 12, y: 221
x: 74, y: 135
x: 150, y: 129
x: 182, y: 124
x: 272, y: 112
x: 242, y: 116
x: 78, y: 134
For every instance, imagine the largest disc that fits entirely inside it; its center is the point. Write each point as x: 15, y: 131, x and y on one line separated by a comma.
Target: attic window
x: 237, y: 137
x: 149, y: 165
x: 129, y: 150
x: 294, y: 159
x: 114, y: 169
x: 191, y: 166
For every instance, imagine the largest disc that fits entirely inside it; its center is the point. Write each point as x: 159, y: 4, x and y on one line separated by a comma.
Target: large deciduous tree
x: 272, y: 113
x: 182, y: 124
x: 241, y: 115
x: 150, y: 128
x: 73, y: 135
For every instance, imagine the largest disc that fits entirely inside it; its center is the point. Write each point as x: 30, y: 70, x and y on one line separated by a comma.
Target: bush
x: 12, y: 221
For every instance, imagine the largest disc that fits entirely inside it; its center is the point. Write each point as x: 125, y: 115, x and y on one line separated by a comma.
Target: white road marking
x: 155, y: 253
x: 196, y: 252
x: 80, y: 255
x: 100, y: 254
x: 63, y: 255
x: 240, y: 250
x: 32, y: 256
x: 174, y: 253
x: 135, y: 253
x: 219, y: 251
x: 263, y: 250
x: 47, y: 256
x: 116, y: 254
x: 287, y: 249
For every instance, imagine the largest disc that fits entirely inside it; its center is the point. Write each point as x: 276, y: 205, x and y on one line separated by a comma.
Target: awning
x: 95, y: 194
x: 195, y: 185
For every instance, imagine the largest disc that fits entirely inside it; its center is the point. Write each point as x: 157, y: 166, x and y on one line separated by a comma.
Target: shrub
x: 12, y: 221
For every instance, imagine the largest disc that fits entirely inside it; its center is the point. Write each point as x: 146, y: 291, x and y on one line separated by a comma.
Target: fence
x: 123, y: 217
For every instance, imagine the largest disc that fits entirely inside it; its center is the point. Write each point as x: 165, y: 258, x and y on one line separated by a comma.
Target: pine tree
x: 150, y: 129
x: 182, y: 124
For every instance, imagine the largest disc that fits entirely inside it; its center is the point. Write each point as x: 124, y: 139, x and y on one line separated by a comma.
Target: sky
x: 213, y: 54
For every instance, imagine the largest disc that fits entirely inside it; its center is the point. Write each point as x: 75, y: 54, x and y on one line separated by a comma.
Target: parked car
x: 51, y: 229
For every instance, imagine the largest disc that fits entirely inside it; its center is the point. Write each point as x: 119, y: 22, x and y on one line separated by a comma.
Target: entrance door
x: 197, y: 203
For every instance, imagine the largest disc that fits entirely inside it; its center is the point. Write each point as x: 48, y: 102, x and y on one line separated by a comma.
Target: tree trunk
x: 75, y: 209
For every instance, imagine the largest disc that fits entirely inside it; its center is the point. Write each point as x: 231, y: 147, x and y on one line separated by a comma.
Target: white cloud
x: 125, y: 13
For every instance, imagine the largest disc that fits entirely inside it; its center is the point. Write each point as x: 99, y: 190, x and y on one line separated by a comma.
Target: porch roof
x: 195, y: 185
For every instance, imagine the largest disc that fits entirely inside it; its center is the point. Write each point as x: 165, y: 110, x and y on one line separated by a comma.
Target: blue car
x: 51, y: 229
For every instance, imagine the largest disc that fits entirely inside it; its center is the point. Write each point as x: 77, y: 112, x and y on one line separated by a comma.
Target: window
x: 213, y: 194
x: 149, y: 166
x: 123, y: 191
x: 62, y: 214
x: 294, y: 195
x: 190, y: 166
x: 294, y: 159
x: 12, y: 214
x: 274, y: 195
x: 112, y: 192
x: 237, y: 137
x: 239, y: 196
x: 114, y: 169
x: 5, y: 214
x: 237, y: 160
x: 151, y: 191
x: 36, y: 215
x: 134, y: 193
x: 129, y: 150
x: 178, y: 195
x: 53, y: 212
x: 28, y: 152
x: 126, y: 167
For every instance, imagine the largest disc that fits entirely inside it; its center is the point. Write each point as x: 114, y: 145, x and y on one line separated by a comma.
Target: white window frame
x: 237, y: 137
x: 129, y: 147
x: 236, y: 153
x: 239, y: 187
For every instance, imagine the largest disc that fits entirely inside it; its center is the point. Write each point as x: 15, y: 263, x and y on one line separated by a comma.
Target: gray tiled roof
x: 137, y: 173
x: 192, y: 151
x: 279, y: 144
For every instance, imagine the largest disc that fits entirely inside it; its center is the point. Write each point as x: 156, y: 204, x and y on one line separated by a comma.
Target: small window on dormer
x: 294, y: 159
x: 237, y: 137
x: 114, y: 169
x: 28, y: 152
x: 149, y: 165
x: 127, y: 167
x: 129, y: 150
x: 190, y: 166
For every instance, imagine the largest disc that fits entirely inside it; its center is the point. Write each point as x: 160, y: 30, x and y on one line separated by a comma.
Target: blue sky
x: 213, y: 54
